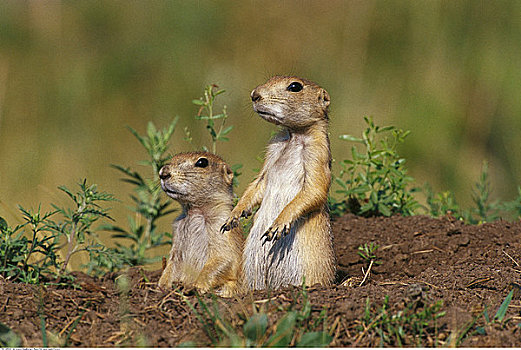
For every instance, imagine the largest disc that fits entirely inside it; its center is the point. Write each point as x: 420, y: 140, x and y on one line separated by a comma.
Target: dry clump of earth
x: 470, y: 268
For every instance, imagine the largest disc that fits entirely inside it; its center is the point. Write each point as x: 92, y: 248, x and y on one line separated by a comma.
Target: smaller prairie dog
x: 201, y: 256
x: 290, y: 240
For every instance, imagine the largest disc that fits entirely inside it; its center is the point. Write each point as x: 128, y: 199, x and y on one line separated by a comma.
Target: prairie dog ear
x: 227, y: 174
x: 323, y: 97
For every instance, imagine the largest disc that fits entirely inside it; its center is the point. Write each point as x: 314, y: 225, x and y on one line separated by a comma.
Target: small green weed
x: 470, y: 329
x: 439, y: 204
x: 217, y: 132
x: 35, y: 259
x: 368, y: 253
x: 295, y: 328
x: 25, y: 257
x: 77, y: 222
x: 484, y: 210
x: 206, y: 104
x: 375, y: 182
x: 412, y: 326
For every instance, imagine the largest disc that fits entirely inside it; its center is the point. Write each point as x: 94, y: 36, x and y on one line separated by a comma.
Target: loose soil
x: 423, y: 260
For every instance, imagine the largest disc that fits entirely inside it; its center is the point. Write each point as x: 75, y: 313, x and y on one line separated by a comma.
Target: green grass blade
x: 501, y: 312
x: 44, y: 332
x: 285, y: 330
x: 256, y: 326
x: 314, y: 340
x: 199, y: 317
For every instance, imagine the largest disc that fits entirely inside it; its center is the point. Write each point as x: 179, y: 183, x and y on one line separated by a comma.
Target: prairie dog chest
x: 285, y: 170
x: 191, y: 239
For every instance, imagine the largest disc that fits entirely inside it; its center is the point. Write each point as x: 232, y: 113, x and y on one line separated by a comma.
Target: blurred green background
x: 73, y: 74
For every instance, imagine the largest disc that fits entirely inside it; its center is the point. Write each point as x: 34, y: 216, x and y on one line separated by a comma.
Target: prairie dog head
x: 197, y: 178
x: 290, y: 101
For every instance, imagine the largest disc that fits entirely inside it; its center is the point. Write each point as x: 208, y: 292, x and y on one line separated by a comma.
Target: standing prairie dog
x: 201, y: 256
x: 290, y: 240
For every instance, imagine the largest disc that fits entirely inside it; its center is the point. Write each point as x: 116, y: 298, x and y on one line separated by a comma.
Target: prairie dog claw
x: 230, y: 224
x: 233, y: 222
x: 275, y: 233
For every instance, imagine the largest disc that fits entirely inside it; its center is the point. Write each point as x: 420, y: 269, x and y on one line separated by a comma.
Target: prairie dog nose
x: 255, y: 96
x: 164, y: 172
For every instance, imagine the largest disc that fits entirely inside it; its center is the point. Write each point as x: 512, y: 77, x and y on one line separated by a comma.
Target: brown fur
x: 290, y: 239
x: 201, y: 256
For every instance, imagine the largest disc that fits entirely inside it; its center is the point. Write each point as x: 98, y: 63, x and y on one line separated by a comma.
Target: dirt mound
x: 471, y: 269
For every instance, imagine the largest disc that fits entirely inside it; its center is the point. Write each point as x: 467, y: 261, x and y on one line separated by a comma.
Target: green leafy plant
x: 206, y: 112
x: 30, y: 251
x: 484, y: 210
x: 103, y: 259
x: 375, y: 182
x: 368, y: 253
x: 215, y: 124
x: 439, y: 204
x: 149, y: 205
x: 295, y: 328
x: 77, y: 223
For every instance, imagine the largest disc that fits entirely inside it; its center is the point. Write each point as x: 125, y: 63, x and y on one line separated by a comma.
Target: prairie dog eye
x: 294, y: 87
x: 201, y: 163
